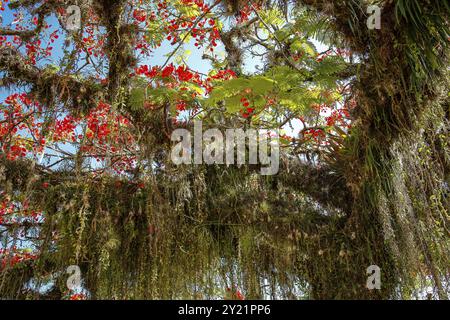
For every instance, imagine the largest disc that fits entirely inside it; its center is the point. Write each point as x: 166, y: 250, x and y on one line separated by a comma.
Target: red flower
x: 239, y: 295
x: 181, y: 106
x: 77, y: 296
x: 139, y: 15
x: 245, y: 102
x: 152, y: 73
x: 167, y: 71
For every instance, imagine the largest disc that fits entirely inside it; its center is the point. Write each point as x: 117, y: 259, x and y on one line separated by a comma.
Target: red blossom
x: 168, y: 71
x: 139, y: 15
x: 184, y: 74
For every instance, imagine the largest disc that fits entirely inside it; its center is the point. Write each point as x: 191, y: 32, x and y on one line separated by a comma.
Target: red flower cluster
x: 248, y: 111
x: 245, y: 12
x: 14, y: 256
x: 181, y: 106
x: 184, y: 74
x: 15, y: 151
x: 338, y: 52
x: 17, y: 115
x: 77, y: 296
x: 32, y: 50
x: 245, y: 102
x: 139, y: 15
x: 108, y: 133
x: 316, y: 134
x: 167, y: 71
x: 64, y: 129
x: 203, y: 28
x: 97, y: 122
x: 233, y: 294
x: 93, y: 43
x: 337, y: 116
x: 223, y: 75
x: 145, y: 70
x: 15, y: 212
x: 6, y: 208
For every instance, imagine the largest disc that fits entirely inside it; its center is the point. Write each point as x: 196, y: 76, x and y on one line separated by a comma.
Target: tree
x: 87, y: 178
